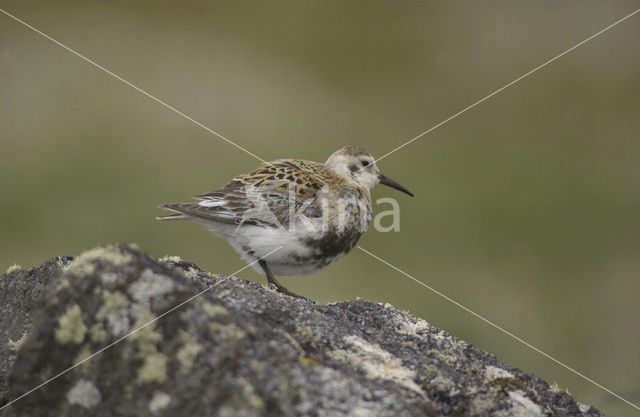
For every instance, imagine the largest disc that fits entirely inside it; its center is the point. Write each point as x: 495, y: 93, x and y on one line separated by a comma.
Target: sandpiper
x: 313, y: 212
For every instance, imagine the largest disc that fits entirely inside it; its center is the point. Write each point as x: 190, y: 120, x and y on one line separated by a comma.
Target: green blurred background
x: 527, y: 208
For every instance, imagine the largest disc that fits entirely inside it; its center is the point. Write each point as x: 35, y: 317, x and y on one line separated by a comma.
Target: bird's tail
x: 176, y: 215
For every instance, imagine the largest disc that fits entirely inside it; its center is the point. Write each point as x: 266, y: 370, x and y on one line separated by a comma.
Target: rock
x: 237, y: 349
x: 20, y: 292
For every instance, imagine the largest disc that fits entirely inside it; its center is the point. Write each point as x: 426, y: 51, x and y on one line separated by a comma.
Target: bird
x: 291, y: 216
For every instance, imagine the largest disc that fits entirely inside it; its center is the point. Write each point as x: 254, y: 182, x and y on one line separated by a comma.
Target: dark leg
x: 272, y: 280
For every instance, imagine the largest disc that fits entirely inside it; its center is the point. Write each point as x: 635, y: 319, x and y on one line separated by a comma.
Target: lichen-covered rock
x: 20, y: 291
x: 238, y: 349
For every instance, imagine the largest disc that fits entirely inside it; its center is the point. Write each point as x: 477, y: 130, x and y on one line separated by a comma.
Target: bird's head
x: 357, y: 165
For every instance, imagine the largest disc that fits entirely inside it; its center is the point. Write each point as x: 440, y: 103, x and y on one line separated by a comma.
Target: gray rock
x: 20, y: 292
x: 238, y: 349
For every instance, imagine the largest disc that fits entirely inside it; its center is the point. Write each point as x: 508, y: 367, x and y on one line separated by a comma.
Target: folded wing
x: 267, y: 196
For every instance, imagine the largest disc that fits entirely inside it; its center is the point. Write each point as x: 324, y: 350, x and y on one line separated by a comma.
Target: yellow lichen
x: 13, y: 268
x: 97, y: 333
x: 226, y: 331
x: 306, y: 360
x: 188, y: 351
x: 84, y: 263
x: 147, y: 339
x: 376, y: 362
x: 304, y: 332
x: 154, y: 368
x: 71, y: 328
x: 492, y: 373
x: 159, y: 401
x: 15, y: 345
x: 556, y: 388
x: 170, y: 258
x: 212, y: 310
x: 61, y: 283
x: 112, y: 302
x: 85, y: 352
x: 114, y: 311
x: 63, y: 264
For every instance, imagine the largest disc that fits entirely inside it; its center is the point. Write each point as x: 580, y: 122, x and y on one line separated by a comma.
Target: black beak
x: 391, y: 183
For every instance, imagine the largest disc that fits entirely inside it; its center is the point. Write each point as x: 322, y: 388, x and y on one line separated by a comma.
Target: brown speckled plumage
x: 315, y: 212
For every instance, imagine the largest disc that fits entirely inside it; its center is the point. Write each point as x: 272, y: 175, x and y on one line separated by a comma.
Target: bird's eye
x: 364, y: 162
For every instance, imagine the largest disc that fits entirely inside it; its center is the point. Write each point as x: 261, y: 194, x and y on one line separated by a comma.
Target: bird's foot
x: 283, y: 290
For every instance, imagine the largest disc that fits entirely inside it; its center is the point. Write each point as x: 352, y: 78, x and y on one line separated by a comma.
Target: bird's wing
x: 267, y: 196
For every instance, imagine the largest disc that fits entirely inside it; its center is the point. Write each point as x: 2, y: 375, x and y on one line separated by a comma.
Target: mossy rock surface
x: 238, y: 349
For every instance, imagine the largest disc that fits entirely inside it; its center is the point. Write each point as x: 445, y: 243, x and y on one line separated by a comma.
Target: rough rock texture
x: 237, y: 350
x: 20, y: 291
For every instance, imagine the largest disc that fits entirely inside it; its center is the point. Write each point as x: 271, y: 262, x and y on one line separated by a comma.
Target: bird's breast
x: 344, y: 218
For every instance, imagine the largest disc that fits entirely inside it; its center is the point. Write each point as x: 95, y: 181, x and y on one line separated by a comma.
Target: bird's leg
x: 272, y: 280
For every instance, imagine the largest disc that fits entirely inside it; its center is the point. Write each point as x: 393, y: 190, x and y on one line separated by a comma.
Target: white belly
x: 284, y: 250
x: 301, y: 250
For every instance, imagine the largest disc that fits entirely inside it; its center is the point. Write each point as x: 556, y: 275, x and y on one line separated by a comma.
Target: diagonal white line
x: 500, y: 328
x: 133, y: 86
x: 507, y: 85
x: 378, y: 159
x: 136, y: 330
